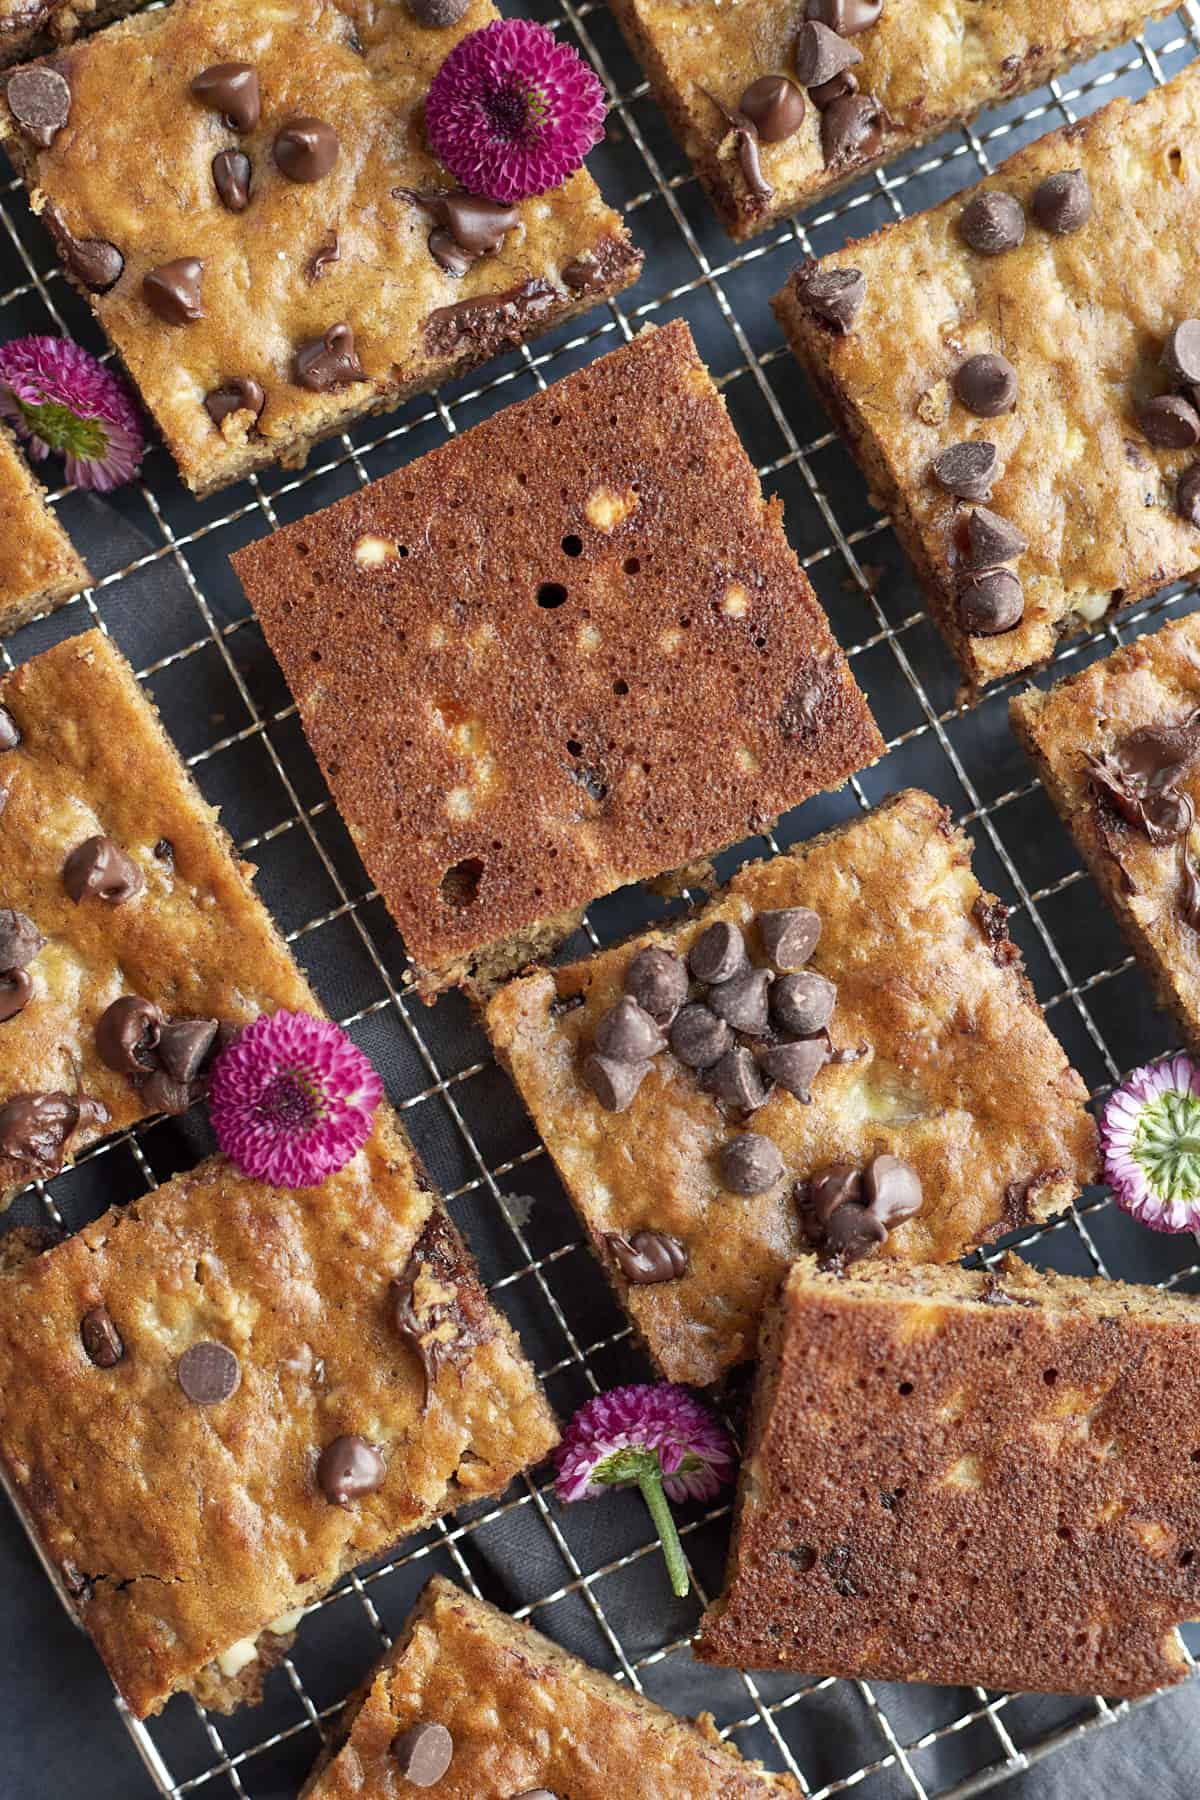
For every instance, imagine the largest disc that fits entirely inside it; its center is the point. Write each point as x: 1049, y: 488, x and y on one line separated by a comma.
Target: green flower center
x: 64, y: 431
x: 632, y: 1464
x: 1166, y: 1145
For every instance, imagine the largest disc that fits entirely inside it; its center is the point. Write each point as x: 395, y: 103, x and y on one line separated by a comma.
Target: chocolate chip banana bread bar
x: 775, y: 104
x: 1118, y: 749
x: 968, y: 1478
x: 471, y: 1703
x: 841, y: 1053
x: 217, y: 1399
x: 39, y: 567
x: 1016, y: 399
x: 247, y: 200
x: 543, y: 660
x: 131, y: 938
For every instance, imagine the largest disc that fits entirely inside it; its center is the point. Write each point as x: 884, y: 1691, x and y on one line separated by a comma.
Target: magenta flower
x: 60, y: 398
x: 1150, y: 1136
x: 292, y: 1100
x: 512, y: 112
x: 652, y: 1435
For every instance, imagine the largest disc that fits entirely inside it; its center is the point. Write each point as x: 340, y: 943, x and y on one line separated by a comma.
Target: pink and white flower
x: 60, y: 398
x: 1150, y: 1137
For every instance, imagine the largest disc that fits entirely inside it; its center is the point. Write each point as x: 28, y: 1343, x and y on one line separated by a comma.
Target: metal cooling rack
x: 168, y: 597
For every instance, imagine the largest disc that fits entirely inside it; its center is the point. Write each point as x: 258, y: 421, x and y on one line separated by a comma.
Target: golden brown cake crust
x: 1093, y: 497
x: 523, y: 1714
x: 150, y: 192
x: 969, y: 1480
x: 1154, y: 681
x: 94, y: 759
x: 39, y: 567
x: 675, y: 688
x: 962, y: 1078
x: 930, y: 64
x: 186, y: 1530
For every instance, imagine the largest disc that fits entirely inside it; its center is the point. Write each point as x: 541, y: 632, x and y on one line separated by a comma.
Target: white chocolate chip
x: 372, y: 552
x: 735, y: 602
x: 231, y: 1662
x: 605, y: 508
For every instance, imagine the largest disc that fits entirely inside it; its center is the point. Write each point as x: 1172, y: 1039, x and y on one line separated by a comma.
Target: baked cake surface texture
x: 1118, y: 749
x: 281, y: 306
x: 968, y: 1479
x: 172, y: 1380
x: 39, y: 567
x: 570, y: 649
x: 1086, y: 510
x: 914, y: 68
x: 523, y: 1718
x: 940, y: 1057
x: 116, y: 884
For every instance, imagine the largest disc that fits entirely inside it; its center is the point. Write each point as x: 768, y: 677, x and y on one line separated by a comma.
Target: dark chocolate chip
x: 803, y: 1003
x: 846, y: 17
x: 775, y: 107
x: 991, y: 602
x: 749, y: 1164
x: 477, y: 225
x: 852, y: 1233
x: 835, y: 296
x: 992, y: 223
x: 795, y: 1066
x: 94, y: 262
x: 836, y: 89
x: 127, y: 1034
x: 820, y: 54
x: 747, y: 145
x: 183, y: 1045
x: 1169, y: 423
x: 209, y: 1373
x: 1187, y: 494
x: 231, y: 177
x: 20, y: 940
x: 851, y: 130
x: 967, y: 470
x: 327, y: 252
x: 348, y: 1468
x: 735, y: 1079
x: 34, y: 1128
x: 614, y: 1083
x: 892, y: 1191
x: 16, y: 991
x: 99, y: 866
x: 1063, y: 202
x: 172, y: 291
x: 438, y: 15
x: 101, y: 1339
x: 648, y: 1257
x: 628, y: 1034
x: 719, y: 953
x: 241, y: 394
x: 832, y: 1187
x: 423, y: 1753
x: 230, y: 88
x: 789, y: 936
x: 40, y: 101
x: 10, y: 735
x: 657, y: 979
x: 305, y: 149
x: 328, y: 362
x: 698, y: 1037
x: 987, y: 385
x: 161, y: 1092
x: 742, y: 1002
x: 534, y: 1794
x: 992, y: 540
x: 1181, y: 353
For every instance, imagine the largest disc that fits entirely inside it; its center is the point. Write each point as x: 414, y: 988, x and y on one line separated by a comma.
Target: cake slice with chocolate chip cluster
x: 839, y: 1054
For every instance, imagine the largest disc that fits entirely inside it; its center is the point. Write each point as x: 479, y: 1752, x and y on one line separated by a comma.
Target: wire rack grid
x: 166, y: 594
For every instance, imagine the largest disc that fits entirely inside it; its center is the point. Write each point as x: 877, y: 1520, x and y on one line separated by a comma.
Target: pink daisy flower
x: 292, y: 1100
x: 60, y: 398
x: 1150, y: 1136
x: 512, y: 112
x: 654, y: 1436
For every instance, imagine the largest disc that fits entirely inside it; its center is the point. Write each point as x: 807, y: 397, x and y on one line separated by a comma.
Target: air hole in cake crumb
x: 632, y: 565
x: 1049, y: 1376
x: 804, y: 1557
x: 522, y: 479
x: 574, y: 747
x: 1187, y: 1559
x: 551, y: 593
x: 620, y: 687
x: 1065, y: 1533
x: 572, y: 545
x: 315, y: 655
x: 301, y: 549
x: 460, y: 885
x: 906, y: 1387
x: 685, y: 624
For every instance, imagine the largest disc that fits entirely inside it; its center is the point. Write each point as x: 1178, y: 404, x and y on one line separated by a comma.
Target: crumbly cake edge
x: 55, y: 593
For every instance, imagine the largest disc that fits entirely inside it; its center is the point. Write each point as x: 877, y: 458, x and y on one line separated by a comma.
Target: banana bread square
x: 217, y: 1399
x: 973, y: 1479
x: 256, y: 310
x: 566, y: 651
x: 1008, y: 390
x: 470, y: 1703
x: 880, y: 80
x: 1117, y: 748
x: 39, y: 566
x: 116, y: 883
x: 909, y: 1032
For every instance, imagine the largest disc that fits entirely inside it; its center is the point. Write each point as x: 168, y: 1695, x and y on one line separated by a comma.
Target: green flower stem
x: 650, y: 1482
